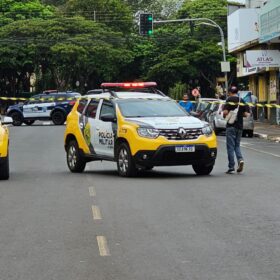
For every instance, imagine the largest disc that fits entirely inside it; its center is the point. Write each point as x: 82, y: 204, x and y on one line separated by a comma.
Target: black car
x: 52, y: 106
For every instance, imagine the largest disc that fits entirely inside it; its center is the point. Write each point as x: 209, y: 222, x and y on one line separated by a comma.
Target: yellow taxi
x: 4, y: 148
x: 138, y: 127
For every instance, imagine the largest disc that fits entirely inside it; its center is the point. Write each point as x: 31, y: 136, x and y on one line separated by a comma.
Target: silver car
x: 218, y: 123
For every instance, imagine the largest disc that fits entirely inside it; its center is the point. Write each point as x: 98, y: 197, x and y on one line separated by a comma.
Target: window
x: 92, y: 108
x: 107, y: 109
x: 34, y: 100
x: 82, y: 105
x: 151, y: 108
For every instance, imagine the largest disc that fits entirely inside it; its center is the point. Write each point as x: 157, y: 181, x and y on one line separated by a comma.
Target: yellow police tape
x: 271, y: 105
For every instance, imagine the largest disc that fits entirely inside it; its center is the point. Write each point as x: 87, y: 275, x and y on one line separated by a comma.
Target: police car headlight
x: 148, y: 132
x: 207, y: 130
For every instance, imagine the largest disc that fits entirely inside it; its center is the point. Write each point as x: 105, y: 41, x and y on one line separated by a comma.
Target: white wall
x: 255, y: 3
x: 242, y: 27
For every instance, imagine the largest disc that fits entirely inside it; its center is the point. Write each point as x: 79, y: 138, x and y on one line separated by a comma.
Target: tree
x: 13, y: 10
x: 160, y: 8
x: 180, y: 56
x: 114, y: 13
x: 62, y: 51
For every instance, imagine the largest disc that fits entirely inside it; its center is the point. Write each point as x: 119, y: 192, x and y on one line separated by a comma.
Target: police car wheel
x: 4, y: 169
x: 125, y: 162
x: 17, y: 118
x: 203, y: 169
x: 58, y: 118
x: 75, y: 161
x: 250, y: 133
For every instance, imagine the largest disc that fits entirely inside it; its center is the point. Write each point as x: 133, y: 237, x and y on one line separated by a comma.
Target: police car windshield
x: 150, y: 108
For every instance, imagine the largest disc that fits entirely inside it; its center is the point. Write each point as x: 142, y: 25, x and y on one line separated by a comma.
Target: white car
x: 218, y: 123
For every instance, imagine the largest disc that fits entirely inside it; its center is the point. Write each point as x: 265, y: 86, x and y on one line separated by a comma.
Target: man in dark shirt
x: 234, y: 131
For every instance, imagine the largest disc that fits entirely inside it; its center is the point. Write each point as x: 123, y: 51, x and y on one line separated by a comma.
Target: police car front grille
x: 173, y: 134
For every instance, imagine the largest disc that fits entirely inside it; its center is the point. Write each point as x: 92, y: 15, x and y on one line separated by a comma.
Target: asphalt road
x: 167, y: 224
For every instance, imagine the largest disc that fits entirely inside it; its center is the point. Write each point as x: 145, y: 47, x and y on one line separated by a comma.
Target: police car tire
x: 125, y: 163
x: 58, y: 117
x: 17, y: 118
x: 4, y: 169
x: 250, y: 133
x: 75, y: 161
x: 203, y: 169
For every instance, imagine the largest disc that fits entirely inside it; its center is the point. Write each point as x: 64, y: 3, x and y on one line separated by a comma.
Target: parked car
x: 52, y: 106
x: 202, y: 108
x: 95, y: 91
x: 218, y: 123
x: 4, y: 148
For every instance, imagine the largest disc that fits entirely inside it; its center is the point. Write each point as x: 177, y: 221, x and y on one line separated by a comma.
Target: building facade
x: 254, y: 38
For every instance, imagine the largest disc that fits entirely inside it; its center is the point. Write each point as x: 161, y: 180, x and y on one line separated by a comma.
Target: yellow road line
x: 96, y: 213
x: 92, y: 191
x: 103, y: 246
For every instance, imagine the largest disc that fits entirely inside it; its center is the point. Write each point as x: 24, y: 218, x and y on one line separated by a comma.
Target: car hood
x: 168, y: 122
x: 18, y: 106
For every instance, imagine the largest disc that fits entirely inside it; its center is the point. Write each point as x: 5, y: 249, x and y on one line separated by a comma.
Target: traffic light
x: 146, y: 24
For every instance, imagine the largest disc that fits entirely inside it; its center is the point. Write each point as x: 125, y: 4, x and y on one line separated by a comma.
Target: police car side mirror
x: 108, y: 118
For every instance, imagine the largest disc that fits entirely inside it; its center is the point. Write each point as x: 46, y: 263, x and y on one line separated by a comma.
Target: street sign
x: 195, y: 92
x: 225, y: 66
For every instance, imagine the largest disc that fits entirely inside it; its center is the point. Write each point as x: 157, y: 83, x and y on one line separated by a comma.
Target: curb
x: 267, y: 137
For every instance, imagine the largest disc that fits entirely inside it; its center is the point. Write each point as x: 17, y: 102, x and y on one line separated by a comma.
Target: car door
x: 104, y: 132
x: 39, y: 107
x: 87, y: 121
x: 46, y: 105
x: 30, y: 108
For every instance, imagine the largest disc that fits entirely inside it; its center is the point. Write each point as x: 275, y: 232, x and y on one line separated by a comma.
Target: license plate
x: 185, y: 149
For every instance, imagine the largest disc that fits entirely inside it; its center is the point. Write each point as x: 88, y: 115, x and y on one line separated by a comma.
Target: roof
x: 128, y: 95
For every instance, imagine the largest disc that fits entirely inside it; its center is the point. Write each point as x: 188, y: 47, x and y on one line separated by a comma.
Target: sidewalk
x: 267, y: 131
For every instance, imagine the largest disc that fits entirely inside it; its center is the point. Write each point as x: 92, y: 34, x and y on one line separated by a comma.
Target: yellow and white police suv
x: 4, y: 148
x: 138, y: 127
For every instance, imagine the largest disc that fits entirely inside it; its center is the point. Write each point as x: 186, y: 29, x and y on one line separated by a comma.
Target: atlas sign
x: 262, y: 58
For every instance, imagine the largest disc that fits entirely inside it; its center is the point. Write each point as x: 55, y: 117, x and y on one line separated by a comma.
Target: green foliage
x: 63, y: 51
x: 91, y: 41
x: 114, y: 13
x: 13, y: 10
x: 177, y: 91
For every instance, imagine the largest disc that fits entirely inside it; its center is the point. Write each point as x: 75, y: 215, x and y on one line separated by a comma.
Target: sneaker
x: 240, y: 166
x: 230, y: 171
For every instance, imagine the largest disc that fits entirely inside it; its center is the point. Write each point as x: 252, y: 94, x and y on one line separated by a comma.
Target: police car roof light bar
x: 129, y: 85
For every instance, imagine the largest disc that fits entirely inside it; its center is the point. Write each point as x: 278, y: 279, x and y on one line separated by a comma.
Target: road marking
x: 92, y: 191
x: 256, y: 150
x: 103, y: 246
x: 262, y: 152
x: 96, y: 213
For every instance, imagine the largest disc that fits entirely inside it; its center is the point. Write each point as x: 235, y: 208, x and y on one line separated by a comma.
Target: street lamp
x: 205, y: 21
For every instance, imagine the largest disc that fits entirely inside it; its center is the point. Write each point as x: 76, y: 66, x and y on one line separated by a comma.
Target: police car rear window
x: 92, y: 108
x: 82, y: 105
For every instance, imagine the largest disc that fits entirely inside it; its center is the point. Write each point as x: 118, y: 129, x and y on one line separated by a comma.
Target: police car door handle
x: 97, y: 128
